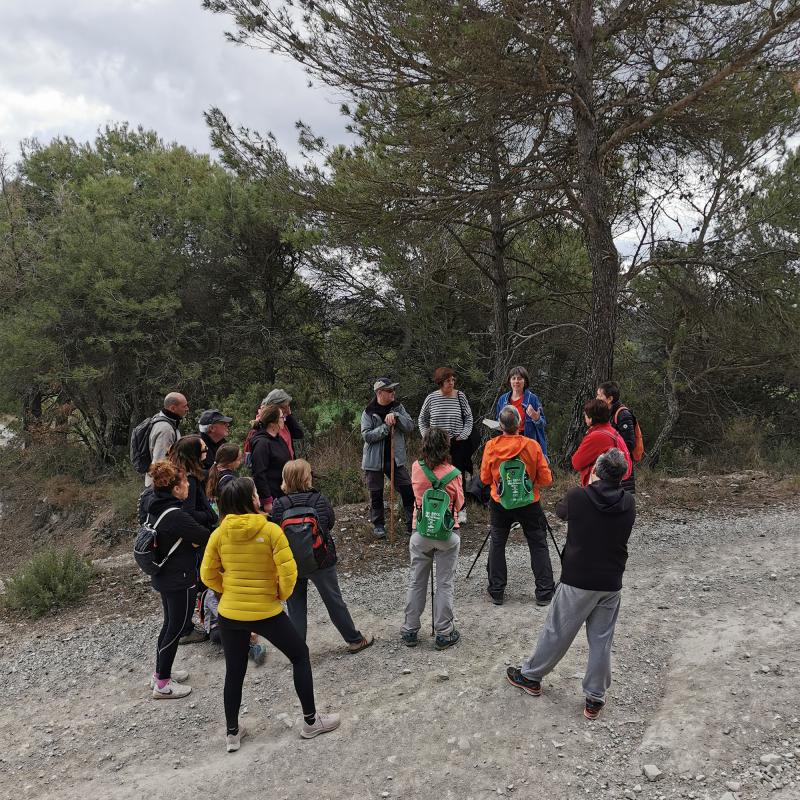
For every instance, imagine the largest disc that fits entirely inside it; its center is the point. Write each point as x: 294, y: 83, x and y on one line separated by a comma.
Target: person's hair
x: 509, y: 420
x: 436, y: 447
x: 269, y: 415
x: 236, y: 497
x: 166, y: 475
x: 611, y: 466
x: 610, y: 389
x: 186, y: 454
x: 227, y: 454
x: 442, y: 374
x: 173, y: 399
x: 522, y: 372
x: 597, y: 411
x: 296, y: 476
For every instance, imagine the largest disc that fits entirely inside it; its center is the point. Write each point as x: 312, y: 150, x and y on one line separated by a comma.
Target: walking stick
x: 552, y: 536
x: 469, y: 572
x: 391, y: 485
x: 433, y: 625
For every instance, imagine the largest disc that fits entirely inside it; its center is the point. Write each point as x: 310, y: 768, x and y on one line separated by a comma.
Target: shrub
x: 50, y: 580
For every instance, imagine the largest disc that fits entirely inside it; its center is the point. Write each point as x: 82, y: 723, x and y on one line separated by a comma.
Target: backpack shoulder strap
x: 428, y: 474
x: 164, y: 514
x: 454, y: 473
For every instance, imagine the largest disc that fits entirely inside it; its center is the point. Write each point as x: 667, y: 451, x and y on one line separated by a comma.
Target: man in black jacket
x: 600, y: 518
x: 214, y: 427
x: 623, y: 421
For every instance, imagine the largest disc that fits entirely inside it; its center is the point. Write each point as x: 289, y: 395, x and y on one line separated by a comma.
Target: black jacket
x: 180, y: 571
x: 268, y: 454
x: 600, y: 518
x: 624, y: 424
x: 327, y: 517
x: 211, y: 452
x: 198, y: 505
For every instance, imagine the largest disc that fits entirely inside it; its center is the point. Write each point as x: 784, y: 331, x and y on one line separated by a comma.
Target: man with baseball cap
x: 214, y: 426
x: 384, y: 417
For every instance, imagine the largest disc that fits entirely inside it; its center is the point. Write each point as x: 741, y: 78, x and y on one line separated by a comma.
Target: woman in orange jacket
x: 249, y: 564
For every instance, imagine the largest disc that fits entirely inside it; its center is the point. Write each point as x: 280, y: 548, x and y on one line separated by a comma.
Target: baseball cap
x: 383, y: 383
x: 211, y: 416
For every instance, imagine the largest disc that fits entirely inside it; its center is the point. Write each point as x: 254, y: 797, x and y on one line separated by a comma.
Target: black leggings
x: 280, y: 632
x: 178, y: 607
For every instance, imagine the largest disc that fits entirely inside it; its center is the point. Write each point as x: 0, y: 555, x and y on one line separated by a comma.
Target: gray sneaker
x: 322, y: 724
x: 379, y: 532
x: 234, y: 741
x: 197, y: 635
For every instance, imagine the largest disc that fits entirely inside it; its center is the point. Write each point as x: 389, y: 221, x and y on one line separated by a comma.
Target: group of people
x: 224, y: 533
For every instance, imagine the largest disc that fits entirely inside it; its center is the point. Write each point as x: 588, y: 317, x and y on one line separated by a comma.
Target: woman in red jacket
x: 600, y: 437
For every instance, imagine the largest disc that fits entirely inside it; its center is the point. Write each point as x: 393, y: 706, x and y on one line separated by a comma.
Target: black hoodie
x: 600, y: 519
x: 180, y: 571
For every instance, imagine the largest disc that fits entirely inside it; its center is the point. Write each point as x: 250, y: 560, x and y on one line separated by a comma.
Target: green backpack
x: 435, y: 517
x: 514, y: 488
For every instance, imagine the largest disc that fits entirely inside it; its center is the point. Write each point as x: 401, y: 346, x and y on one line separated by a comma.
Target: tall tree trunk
x: 603, y: 256
x: 501, y: 289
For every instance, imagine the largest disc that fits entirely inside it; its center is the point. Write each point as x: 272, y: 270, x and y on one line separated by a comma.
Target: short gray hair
x: 611, y: 466
x: 509, y: 419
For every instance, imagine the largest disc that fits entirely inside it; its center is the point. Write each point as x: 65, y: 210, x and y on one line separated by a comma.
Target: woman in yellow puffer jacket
x: 249, y: 565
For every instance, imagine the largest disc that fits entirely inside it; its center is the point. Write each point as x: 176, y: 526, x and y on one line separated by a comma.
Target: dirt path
x: 705, y: 684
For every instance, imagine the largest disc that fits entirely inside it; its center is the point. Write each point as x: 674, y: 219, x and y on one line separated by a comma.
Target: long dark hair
x: 435, y: 448
x: 227, y: 454
x: 186, y: 453
x: 236, y: 497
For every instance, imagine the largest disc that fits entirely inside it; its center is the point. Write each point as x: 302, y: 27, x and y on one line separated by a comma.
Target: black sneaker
x: 543, y: 601
x: 516, y: 678
x: 497, y: 597
x: 409, y: 638
x: 447, y: 640
x: 592, y: 709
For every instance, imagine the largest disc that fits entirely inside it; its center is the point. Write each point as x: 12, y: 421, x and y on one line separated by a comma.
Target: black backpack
x: 305, y: 537
x: 145, y: 547
x: 140, y: 454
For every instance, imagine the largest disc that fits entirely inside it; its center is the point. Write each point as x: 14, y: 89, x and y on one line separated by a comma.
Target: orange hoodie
x: 506, y: 446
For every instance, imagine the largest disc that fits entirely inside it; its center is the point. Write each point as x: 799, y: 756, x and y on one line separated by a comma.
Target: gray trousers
x: 327, y: 583
x: 424, y: 552
x: 571, y: 607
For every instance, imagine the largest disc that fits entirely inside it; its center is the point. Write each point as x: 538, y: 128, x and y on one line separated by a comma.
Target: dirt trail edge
x: 705, y: 689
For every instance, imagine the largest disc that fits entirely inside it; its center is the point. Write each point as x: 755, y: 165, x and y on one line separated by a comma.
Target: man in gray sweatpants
x: 599, y: 518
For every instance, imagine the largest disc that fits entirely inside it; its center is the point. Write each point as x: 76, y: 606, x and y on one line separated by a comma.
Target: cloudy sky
x: 67, y: 68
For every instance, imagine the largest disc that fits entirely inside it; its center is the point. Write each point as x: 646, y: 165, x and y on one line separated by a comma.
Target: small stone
x: 734, y: 786
x: 773, y: 576
x: 651, y: 772
x: 728, y: 796
x: 391, y: 759
x: 765, y: 668
x: 384, y: 794
x: 699, y: 778
x: 464, y: 744
x: 637, y: 788
x: 406, y: 671
x: 443, y: 675
x: 770, y: 758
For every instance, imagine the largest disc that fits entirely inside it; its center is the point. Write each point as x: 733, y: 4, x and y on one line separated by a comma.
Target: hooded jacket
x: 512, y: 445
x: 599, y: 518
x: 180, y: 570
x: 248, y: 561
x: 598, y: 439
x: 268, y: 455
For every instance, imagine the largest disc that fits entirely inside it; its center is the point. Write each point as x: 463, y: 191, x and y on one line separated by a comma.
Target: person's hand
x: 532, y: 412
x: 267, y: 508
x: 391, y: 419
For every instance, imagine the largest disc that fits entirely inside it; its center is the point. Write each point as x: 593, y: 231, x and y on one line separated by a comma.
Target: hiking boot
x: 443, y: 641
x: 592, y: 708
x: 409, y: 638
x: 379, y: 532
x: 177, y: 675
x: 357, y: 647
x: 258, y: 654
x: 323, y: 723
x: 172, y: 691
x: 516, y: 678
x: 543, y: 601
x: 462, y: 516
x: 196, y: 635
x: 497, y: 597
x: 233, y: 741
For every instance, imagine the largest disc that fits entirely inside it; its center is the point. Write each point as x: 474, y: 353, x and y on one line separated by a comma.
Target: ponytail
x: 227, y: 454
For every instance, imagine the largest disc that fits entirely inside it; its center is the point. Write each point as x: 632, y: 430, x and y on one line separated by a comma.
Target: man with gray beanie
x: 600, y: 518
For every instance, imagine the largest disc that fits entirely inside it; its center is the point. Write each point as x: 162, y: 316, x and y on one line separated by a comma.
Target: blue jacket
x: 533, y: 430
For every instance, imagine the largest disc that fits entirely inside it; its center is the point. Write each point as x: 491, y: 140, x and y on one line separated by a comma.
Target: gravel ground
x: 705, y: 691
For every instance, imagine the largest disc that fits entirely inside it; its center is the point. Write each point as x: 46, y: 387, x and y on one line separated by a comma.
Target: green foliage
x: 51, y: 580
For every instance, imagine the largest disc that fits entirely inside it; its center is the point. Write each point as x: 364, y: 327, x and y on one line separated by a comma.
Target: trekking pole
x: 469, y: 572
x: 552, y: 536
x: 433, y: 625
x: 391, y: 485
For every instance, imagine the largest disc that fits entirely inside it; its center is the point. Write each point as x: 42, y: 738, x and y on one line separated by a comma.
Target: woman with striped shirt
x: 448, y: 409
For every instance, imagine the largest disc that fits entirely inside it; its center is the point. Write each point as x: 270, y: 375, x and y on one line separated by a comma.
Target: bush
x: 50, y: 580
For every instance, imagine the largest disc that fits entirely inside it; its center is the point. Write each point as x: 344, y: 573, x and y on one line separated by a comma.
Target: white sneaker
x: 515, y: 526
x: 178, y: 675
x: 323, y: 723
x: 233, y: 743
x: 462, y: 517
x: 172, y: 691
